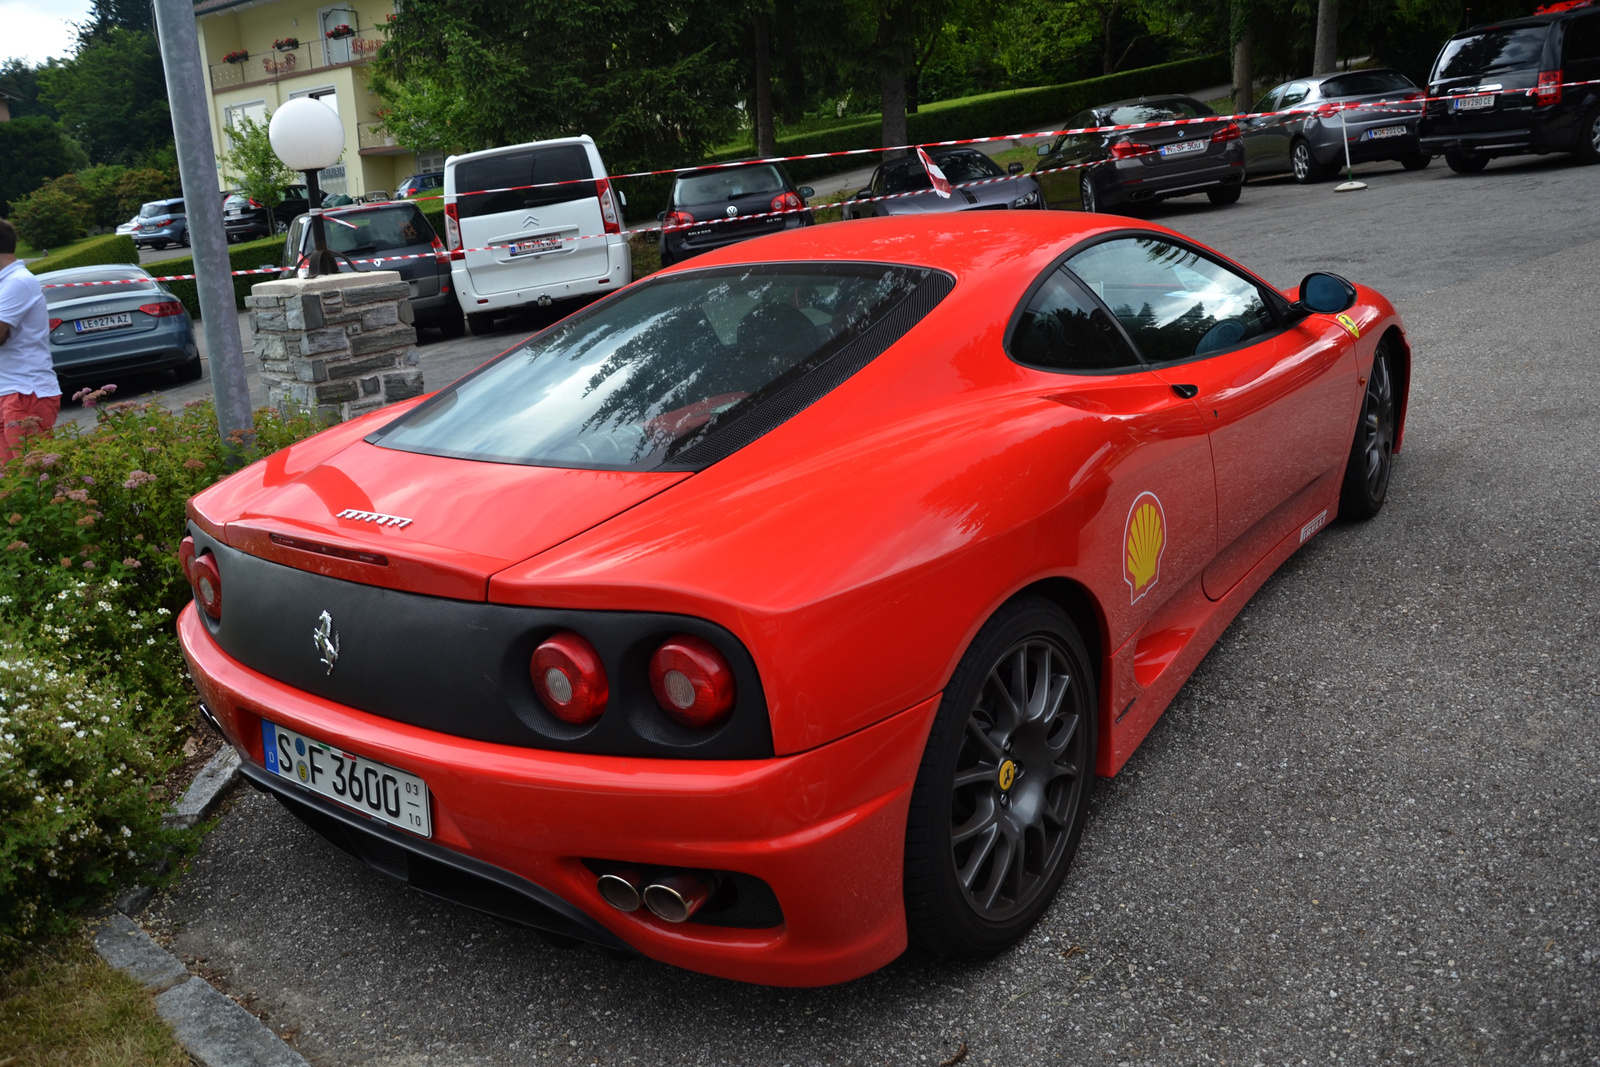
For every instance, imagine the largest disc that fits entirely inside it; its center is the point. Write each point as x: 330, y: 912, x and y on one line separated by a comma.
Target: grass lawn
x: 65, y: 1008
x: 27, y: 251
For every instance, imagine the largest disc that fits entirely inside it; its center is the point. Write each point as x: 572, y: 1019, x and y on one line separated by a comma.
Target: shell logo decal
x: 1143, y: 542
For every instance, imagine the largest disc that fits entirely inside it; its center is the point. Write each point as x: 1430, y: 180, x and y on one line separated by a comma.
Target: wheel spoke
x: 986, y: 816
x: 980, y: 852
x: 1009, y: 712
x: 976, y: 731
x: 1005, y: 854
x: 982, y: 773
x: 1059, y: 743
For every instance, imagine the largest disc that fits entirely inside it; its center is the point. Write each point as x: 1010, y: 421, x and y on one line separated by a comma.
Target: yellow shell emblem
x: 1144, y: 541
x: 1349, y: 324
x: 1008, y: 774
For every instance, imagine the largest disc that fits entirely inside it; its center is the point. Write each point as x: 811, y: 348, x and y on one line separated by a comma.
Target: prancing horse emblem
x: 326, y: 640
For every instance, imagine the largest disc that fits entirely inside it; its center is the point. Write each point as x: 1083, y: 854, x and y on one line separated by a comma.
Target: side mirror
x: 661, y: 216
x: 1322, y: 293
x: 806, y: 192
x: 1042, y: 150
x: 1014, y: 168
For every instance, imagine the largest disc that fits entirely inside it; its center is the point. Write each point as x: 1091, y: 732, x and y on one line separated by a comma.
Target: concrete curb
x: 216, y: 1031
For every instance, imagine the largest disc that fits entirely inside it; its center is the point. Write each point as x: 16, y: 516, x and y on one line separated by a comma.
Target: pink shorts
x: 24, y: 414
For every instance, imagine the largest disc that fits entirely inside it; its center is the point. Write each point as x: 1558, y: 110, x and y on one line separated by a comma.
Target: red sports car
x: 783, y: 607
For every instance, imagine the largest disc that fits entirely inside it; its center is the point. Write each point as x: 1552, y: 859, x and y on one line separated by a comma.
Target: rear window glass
x: 1364, y: 82
x: 127, y: 281
x: 507, y: 175
x: 632, y: 383
x: 1492, y: 50
x: 1155, y: 111
x: 384, y: 230
x: 163, y: 207
x: 730, y: 184
x: 962, y: 165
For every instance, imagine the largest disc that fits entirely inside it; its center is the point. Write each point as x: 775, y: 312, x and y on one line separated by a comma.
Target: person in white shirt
x: 30, y: 396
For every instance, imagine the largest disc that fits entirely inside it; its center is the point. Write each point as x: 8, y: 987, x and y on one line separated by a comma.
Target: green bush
x: 48, y: 216
x: 77, y: 794
x: 139, y: 187
x: 100, y: 193
x: 112, y: 248
x: 245, y: 256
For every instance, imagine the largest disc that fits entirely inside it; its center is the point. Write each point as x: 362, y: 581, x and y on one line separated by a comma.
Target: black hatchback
x: 1112, y: 168
x: 1506, y: 90
x: 721, y: 206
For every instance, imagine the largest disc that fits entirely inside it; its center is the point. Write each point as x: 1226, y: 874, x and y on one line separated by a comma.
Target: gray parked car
x: 162, y: 223
x: 1311, y: 146
x: 1013, y: 191
x: 128, y: 325
x: 366, y: 232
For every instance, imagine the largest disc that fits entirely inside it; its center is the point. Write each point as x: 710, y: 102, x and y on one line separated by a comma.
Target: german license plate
x: 537, y: 244
x: 1472, y: 103
x: 1183, y: 148
x: 234, y: 213
x: 385, y: 793
x: 1385, y: 131
x: 103, y: 322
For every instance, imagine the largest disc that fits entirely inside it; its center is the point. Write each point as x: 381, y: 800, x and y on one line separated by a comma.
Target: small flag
x: 941, y: 184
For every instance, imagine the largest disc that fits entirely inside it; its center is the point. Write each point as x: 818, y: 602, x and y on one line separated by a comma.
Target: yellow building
x: 260, y: 53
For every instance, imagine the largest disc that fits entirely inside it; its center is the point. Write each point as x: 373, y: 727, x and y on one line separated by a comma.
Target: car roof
x: 1318, y: 79
x: 1544, y: 19
x: 583, y: 139
x: 1162, y: 99
x: 66, y: 274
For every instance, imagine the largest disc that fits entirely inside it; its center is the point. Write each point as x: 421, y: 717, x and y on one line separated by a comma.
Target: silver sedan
x: 990, y: 186
x: 124, y: 323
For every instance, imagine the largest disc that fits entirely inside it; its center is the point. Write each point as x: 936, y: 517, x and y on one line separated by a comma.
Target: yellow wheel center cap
x: 1008, y: 774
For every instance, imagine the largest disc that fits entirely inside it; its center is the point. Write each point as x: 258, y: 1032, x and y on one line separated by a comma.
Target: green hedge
x: 246, y: 256
x: 112, y: 248
x: 1012, y: 111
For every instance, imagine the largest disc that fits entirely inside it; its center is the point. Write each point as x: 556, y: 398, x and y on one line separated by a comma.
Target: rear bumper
x: 824, y: 829
x: 1494, y: 143
x: 680, y: 247
x: 167, y: 234
x: 1330, y: 151
x: 1119, y: 187
x: 155, y: 349
x: 619, y: 259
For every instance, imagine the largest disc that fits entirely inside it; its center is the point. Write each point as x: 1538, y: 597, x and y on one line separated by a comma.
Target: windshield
x: 730, y: 184
x: 1485, y: 53
x: 1155, y: 111
x: 645, y: 375
x: 384, y: 230
x: 129, y: 280
x: 961, y: 165
x: 1367, y: 82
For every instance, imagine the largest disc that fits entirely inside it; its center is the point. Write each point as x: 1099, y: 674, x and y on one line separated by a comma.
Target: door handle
x: 1188, y: 392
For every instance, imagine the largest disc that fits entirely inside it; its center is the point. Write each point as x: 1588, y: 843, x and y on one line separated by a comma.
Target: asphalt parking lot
x: 1367, y: 831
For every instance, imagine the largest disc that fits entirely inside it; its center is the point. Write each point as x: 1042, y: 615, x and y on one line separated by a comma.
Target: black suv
x: 245, y: 219
x: 1504, y: 92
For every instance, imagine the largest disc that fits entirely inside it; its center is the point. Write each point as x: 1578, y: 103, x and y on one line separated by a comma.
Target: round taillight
x: 569, y: 678
x: 207, y: 584
x: 692, y: 681
x: 186, y: 557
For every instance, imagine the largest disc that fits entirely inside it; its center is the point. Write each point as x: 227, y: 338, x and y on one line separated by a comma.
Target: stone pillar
x: 340, y: 345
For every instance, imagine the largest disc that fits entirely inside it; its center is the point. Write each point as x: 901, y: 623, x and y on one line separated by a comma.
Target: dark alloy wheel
x: 1366, y: 475
x: 1002, y: 793
x: 1306, y: 168
x: 1588, y: 148
x: 1463, y: 164
x: 1086, y: 189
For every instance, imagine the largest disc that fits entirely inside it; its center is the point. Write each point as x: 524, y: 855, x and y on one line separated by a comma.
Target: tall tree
x: 1325, y: 54
x: 761, y: 80
x: 108, y: 15
x: 32, y: 150
x: 112, y: 96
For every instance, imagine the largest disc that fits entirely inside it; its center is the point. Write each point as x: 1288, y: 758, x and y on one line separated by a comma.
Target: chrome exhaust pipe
x: 619, y: 887
x: 676, y: 897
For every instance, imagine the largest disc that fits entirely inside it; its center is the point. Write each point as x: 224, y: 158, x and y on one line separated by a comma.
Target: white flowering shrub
x: 77, y: 814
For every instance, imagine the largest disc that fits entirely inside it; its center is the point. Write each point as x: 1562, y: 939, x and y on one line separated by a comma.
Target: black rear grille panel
x: 461, y: 667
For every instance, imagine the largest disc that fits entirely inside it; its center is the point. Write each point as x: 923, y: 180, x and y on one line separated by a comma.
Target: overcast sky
x: 35, y: 30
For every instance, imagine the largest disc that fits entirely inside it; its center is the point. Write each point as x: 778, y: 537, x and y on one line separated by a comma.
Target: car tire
x: 452, y: 325
x: 480, y: 323
x: 1588, y: 147
x: 279, y: 227
x: 1366, y: 473
x: 1088, y: 195
x: 1463, y: 164
x: 983, y: 862
x: 1303, y: 163
x: 190, y: 371
x: 1419, y: 161
x: 1224, y: 195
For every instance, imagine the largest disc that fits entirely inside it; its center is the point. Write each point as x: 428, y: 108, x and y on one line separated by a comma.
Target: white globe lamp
x: 308, y: 136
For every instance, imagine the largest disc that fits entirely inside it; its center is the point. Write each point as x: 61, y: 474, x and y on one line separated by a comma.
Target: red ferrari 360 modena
x: 783, y: 607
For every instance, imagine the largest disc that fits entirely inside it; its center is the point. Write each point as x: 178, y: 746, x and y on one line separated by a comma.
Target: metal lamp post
x: 308, y: 136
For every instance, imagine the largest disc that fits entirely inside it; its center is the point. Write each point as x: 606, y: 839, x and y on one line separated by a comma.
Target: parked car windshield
x: 510, y: 173
x: 123, y: 279
x: 1492, y: 50
x: 730, y: 184
x: 961, y: 165
x: 633, y: 382
x: 1155, y: 111
x: 1366, y: 82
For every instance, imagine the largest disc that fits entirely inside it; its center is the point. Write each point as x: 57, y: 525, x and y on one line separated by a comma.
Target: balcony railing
x: 370, y: 137
x: 272, y: 64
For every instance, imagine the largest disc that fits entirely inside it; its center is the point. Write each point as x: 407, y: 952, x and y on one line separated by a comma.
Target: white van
x: 512, y: 246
